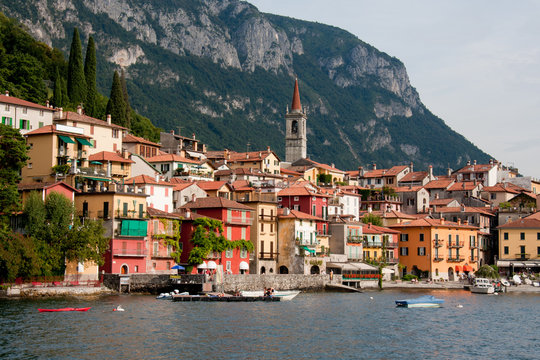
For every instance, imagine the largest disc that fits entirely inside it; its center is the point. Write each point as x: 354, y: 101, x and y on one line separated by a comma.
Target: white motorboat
x: 482, y: 286
x: 422, y: 301
x: 284, y: 294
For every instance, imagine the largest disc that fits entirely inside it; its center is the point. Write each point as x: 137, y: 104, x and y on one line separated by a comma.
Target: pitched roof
x: 504, y: 187
x: 290, y: 172
x: 414, y: 176
x: 464, y: 209
x: 441, y: 202
x: 295, y: 214
x: 393, y: 171
x: 51, y: 129
x: 476, y: 168
x: 374, y: 229
x: 463, y: 186
x: 73, y: 116
x: 212, y: 185
x: 439, y: 184
x: 249, y: 156
x: 299, y: 191
x: 145, y: 179
x: 109, y: 156
x: 129, y: 138
x: 428, y: 222
x: 6, y: 99
x: 44, y: 185
x: 531, y: 221
x: 152, y: 212
x: 403, y: 189
x: 215, y: 202
x: 171, y: 158
x: 393, y: 214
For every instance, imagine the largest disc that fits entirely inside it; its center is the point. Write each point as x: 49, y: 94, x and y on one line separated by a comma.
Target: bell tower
x: 295, y: 135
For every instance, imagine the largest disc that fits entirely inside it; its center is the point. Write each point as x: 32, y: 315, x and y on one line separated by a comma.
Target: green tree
x: 57, y: 92
x: 126, y: 98
x: 13, y: 157
x: 90, y: 106
x: 18, y: 257
x: 86, y: 241
x: 116, y: 106
x: 373, y: 219
x: 76, y: 83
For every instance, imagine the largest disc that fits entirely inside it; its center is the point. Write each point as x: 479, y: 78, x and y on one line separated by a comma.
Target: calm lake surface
x: 313, y: 325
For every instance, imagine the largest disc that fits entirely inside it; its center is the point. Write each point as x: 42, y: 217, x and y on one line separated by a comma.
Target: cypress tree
x: 76, y: 84
x: 126, y: 98
x: 63, y: 87
x: 90, y: 76
x: 116, y: 106
x: 57, y: 95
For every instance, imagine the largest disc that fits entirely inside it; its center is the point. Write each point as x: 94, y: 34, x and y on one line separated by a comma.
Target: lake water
x: 311, y: 326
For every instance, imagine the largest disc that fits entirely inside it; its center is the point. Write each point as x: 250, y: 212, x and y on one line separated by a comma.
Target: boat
x: 422, y: 301
x: 221, y: 297
x: 64, y: 309
x: 482, y: 286
x: 169, y: 296
x: 285, y: 295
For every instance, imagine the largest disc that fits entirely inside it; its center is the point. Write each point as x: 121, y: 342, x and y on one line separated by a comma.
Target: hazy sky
x: 475, y: 64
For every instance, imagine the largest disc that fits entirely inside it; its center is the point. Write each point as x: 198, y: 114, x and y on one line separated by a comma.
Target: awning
x: 458, y: 268
x: 467, y: 268
x: 363, y: 266
x: 84, y: 141
x: 212, y: 265
x: 244, y: 265
x: 387, y: 271
x: 195, y: 154
x: 66, y: 139
x: 202, y: 266
x: 178, y: 267
x: 96, y: 179
x: 342, y: 266
x: 308, y: 249
x: 95, y: 163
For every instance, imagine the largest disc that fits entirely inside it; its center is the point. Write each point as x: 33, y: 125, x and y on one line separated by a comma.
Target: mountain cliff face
x: 225, y: 71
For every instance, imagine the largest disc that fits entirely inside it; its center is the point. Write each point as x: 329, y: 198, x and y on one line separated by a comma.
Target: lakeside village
x: 297, y: 223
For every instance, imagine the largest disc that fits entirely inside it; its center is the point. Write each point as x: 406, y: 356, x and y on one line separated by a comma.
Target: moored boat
x: 482, y: 286
x: 422, y: 301
x: 64, y: 309
x: 285, y: 295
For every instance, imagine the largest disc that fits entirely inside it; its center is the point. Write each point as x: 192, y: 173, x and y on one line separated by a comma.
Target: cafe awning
x: 84, y: 141
x: 467, y: 268
x: 66, y: 139
x: 458, y: 268
x: 202, y: 266
x: 212, y: 265
x: 96, y: 178
x: 96, y: 163
x: 244, y: 265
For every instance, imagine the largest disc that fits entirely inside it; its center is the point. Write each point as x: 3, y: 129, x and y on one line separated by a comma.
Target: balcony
x: 474, y: 246
x: 92, y: 171
x: 473, y: 258
x: 238, y: 220
x: 455, y: 244
x: 129, y: 252
x: 267, y: 217
x: 455, y: 258
x: 161, y: 256
x: 355, y: 239
x: 131, y: 214
x: 267, y: 255
x: 438, y: 243
x: 523, y: 256
x: 438, y: 258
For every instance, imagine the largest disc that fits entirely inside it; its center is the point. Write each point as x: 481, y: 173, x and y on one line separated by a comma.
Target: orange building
x: 437, y: 249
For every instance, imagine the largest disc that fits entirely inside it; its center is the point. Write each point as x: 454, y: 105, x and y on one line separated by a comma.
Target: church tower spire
x: 295, y: 121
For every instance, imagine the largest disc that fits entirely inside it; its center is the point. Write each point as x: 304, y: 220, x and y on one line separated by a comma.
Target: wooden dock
x: 224, y: 298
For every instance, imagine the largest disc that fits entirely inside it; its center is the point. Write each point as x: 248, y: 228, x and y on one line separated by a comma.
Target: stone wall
x: 279, y: 282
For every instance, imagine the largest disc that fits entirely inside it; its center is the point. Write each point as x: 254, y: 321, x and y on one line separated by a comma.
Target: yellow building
x: 312, y: 171
x: 437, y: 248
x: 265, y: 161
x: 519, y: 244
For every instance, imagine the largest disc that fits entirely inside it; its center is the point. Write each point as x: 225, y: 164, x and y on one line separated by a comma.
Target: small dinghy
x: 422, y: 301
x: 64, y: 309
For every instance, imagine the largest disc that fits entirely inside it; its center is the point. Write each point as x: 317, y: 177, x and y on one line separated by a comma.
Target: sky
x: 475, y: 64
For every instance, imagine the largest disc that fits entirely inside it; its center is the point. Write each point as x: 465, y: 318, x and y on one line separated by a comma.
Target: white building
x: 24, y: 115
x: 160, y: 193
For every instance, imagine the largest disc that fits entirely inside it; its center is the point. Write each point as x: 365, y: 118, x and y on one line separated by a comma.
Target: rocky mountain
x: 225, y: 71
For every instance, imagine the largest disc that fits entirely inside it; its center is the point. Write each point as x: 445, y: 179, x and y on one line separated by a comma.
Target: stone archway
x: 124, y: 270
x: 451, y: 275
x: 283, y: 269
x: 315, y: 270
x: 263, y: 270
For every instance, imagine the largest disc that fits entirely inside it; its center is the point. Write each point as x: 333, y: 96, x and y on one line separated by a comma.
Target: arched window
x: 294, y: 127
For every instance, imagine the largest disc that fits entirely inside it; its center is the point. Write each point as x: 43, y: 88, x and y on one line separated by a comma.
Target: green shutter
x: 21, y: 124
x: 125, y: 212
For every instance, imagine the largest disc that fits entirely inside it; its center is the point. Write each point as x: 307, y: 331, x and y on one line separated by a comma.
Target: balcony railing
x: 266, y: 217
x: 473, y: 258
x: 129, y: 252
x: 455, y: 258
x: 355, y: 239
x: 438, y: 258
x: 267, y: 255
x: 438, y: 243
x: 161, y: 256
x: 455, y: 244
x: 523, y: 256
x: 238, y: 220
x: 131, y: 214
x: 474, y: 245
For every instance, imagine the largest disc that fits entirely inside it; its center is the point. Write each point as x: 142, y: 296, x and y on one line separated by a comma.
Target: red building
x: 236, y: 219
x: 306, y: 200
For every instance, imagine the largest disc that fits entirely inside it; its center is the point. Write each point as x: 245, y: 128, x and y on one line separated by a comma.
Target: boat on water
x: 64, y: 309
x: 482, y: 286
x: 422, y: 301
x: 284, y: 295
x: 169, y: 296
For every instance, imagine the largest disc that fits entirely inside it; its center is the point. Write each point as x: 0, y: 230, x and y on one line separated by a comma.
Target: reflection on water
x: 313, y: 325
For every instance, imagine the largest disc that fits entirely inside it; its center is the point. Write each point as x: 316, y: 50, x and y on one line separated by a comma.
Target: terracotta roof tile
x: 109, y: 156
x: 215, y: 202
x: 73, y: 116
x: 427, y: 222
x: 171, y: 158
x: 463, y: 186
x: 145, y: 179
x: 20, y: 102
x: 298, y: 215
x: 129, y: 138
x: 414, y: 176
x: 476, y: 168
x: 212, y: 185
x: 439, y: 184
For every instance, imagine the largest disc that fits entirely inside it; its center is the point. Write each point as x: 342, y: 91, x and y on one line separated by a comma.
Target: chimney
x: 47, y: 103
x: 442, y: 220
x: 193, y: 197
x: 411, y: 166
x: 465, y: 222
x: 469, y: 162
x: 171, y: 132
x: 474, y: 162
x: 60, y: 113
x: 430, y: 172
x: 109, y: 119
x: 79, y: 109
x: 7, y: 93
x: 193, y: 136
x: 449, y: 172
x: 260, y: 154
x: 157, y: 177
x: 462, y: 208
x: 247, y: 155
x: 490, y: 161
x: 374, y: 166
x: 361, y: 171
x: 188, y: 214
x: 459, y: 221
